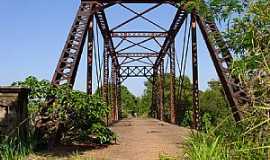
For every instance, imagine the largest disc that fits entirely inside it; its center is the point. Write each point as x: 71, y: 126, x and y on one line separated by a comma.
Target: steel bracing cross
x: 122, y: 60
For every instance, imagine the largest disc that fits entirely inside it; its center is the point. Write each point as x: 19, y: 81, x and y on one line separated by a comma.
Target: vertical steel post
x: 90, y: 57
x: 119, y: 114
x: 113, y: 91
x: 105, y: 88
x: 172, y: 84
x: 161, y: 90
x: 154, y: 93
x: 196, y: 110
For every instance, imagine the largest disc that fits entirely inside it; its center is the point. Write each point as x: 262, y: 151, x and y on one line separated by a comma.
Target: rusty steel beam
x: 133, y: 44
x: 105, y: 31
x: 129, y: 60
x: 234, y: 93
x: 226, y: 57
x: 133, y: 1
x: 179, y: 19
x: 153, y: 110
x: 132, y: 34
x: 114, y: 92
x: 141, y: 15
x: 105, y: 87
x: 118, y: 82
x: 90, y: 57
x: 137, y: 54
x: 196, y: 121
x: 136, y: 71
x: 67, y: 66
x: 138, y: 15
x: 172, y: 84
x: 161, y: 91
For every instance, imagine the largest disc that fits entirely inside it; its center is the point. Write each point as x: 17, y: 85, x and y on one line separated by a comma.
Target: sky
x: 33, y: 34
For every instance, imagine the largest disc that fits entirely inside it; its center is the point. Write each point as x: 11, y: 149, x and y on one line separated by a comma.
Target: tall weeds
x: 14, y: 148
x: 249, y: 139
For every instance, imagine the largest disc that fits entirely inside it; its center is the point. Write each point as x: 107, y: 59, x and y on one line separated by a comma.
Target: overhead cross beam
x: 134, y: 1
x: 129, y: 60
x: 138, y: 15
x: 139, y: 44
x: 134, y: 34
x: 143, y: 17
x: 142, y: 54
x: 136, y: 71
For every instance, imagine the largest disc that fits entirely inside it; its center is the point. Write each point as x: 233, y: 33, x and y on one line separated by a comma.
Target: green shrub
x: 202, y: 146
x: 187, y: 119
x: 226, y: 141
x: 103, y: 134
x: 65, y: 114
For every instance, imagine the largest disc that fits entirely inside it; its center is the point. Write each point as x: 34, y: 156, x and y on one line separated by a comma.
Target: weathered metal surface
x: 139, y: 34
x: 174, y: 29
x: 195, y: 89
x: 153, y: 111
x: 114, y: 92
x: 90, y: 57
x: 104, y: 28
x: 161, y: 91
x: 118, y: 82
x: 130, y: 62
x: 172, y: 84
x: 68, y: 64
x: 143, y: 55
x: 105, y: 87
x: 136, y: 71
x: 234, y: 93
x: 133, y: 1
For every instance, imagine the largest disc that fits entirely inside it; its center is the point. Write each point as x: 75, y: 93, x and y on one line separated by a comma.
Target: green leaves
x: 201, y: 146
x: 219, y: 10
x: 249, y: 39
x: 73, y: 111
x: 103, y: 134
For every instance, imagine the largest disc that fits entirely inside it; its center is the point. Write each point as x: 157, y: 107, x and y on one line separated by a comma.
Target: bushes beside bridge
x: 248, y: 139
x: 60, y: 114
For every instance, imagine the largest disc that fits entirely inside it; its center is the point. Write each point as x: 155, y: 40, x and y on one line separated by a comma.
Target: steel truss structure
x: 121, y: 60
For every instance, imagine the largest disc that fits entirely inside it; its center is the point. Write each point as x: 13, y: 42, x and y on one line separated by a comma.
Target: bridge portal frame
x: 67, y: 67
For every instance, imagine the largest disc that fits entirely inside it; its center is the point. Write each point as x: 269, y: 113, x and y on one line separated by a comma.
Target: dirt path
x: 142, y: 139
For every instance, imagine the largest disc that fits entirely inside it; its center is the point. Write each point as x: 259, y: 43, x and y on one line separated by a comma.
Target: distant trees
x: 129, y: 102
x: 146, y: 99
x: 212, y: 101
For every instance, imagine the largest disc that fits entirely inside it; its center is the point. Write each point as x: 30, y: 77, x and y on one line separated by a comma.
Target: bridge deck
x: 142, y: 139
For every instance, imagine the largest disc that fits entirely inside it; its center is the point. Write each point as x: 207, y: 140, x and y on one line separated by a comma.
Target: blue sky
x: 33, y: 34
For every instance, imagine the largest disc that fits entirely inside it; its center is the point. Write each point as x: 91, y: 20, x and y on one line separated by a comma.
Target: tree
x: 129, y: 102
x: 183, y: 102
x: 249, y: 39
x: 60, y: 113
x: 213, y: 103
